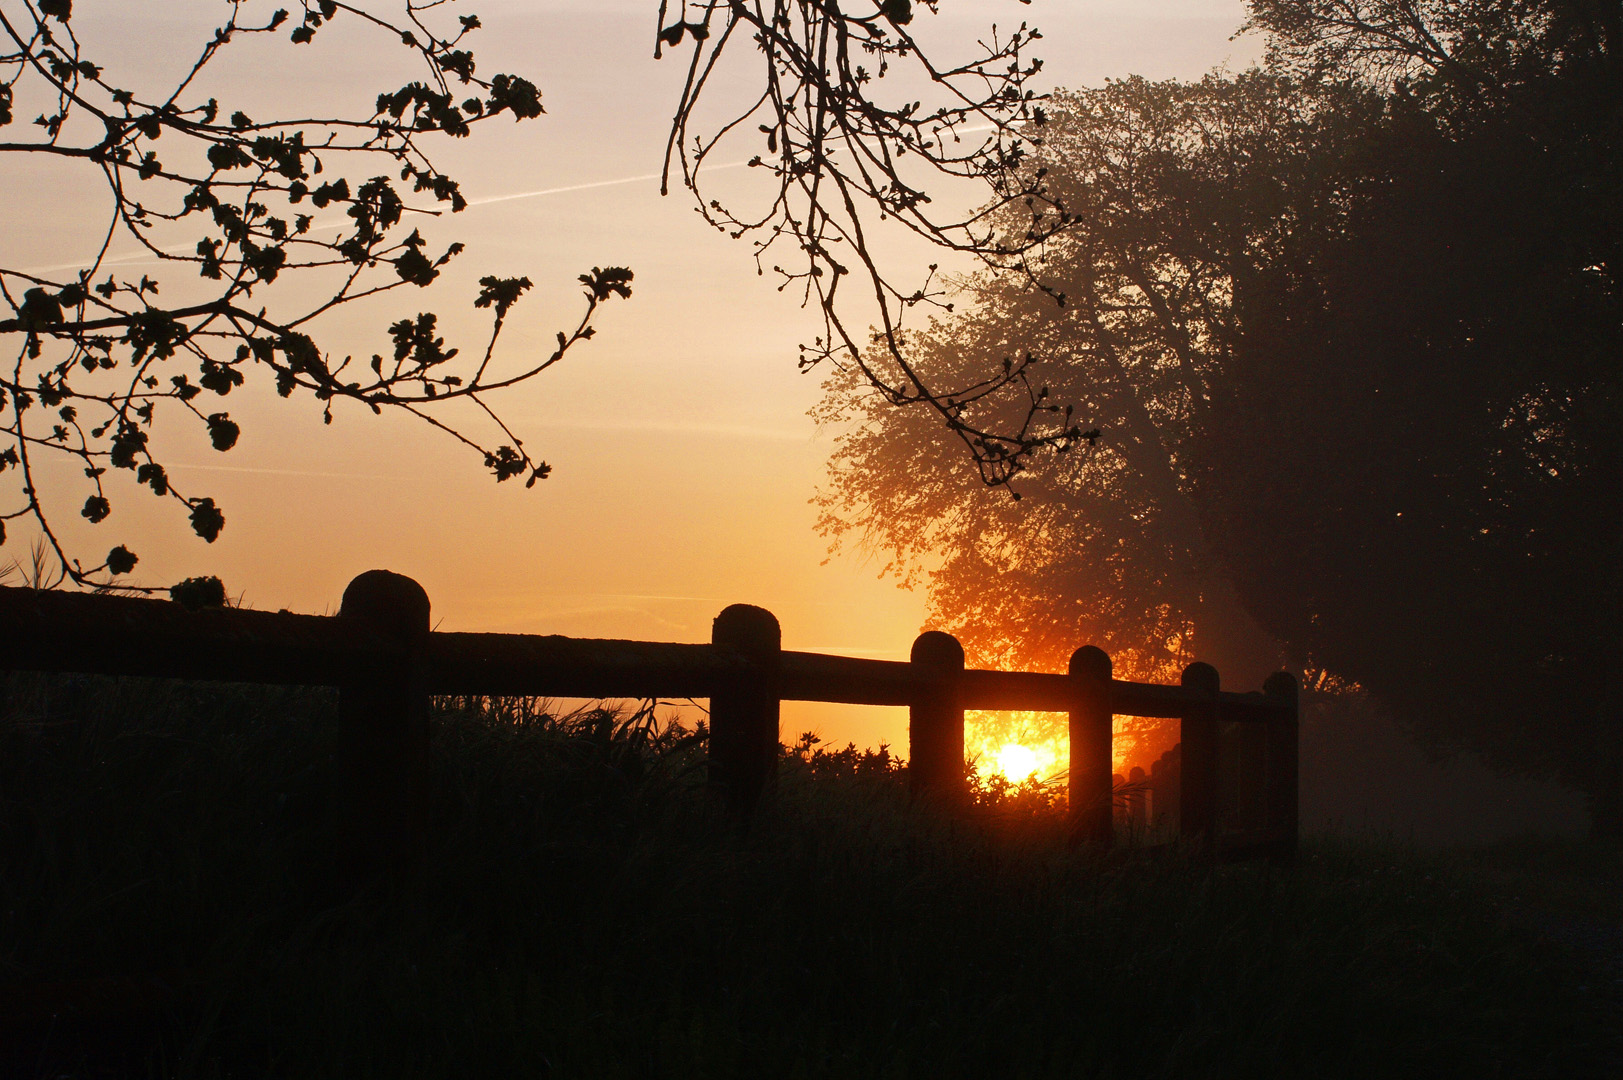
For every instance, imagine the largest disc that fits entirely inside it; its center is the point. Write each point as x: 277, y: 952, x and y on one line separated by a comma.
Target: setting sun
x: 1015, y: 761
x: 1017, y: 744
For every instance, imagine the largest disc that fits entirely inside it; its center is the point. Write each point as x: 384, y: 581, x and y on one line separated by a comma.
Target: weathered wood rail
x: 386, y: 662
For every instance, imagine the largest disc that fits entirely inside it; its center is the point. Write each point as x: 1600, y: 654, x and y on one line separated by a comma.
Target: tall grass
x: 583, y: 910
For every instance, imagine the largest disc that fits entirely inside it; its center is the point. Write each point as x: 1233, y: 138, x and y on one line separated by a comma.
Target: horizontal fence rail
x: 380, y: 640
x: 118, y: 635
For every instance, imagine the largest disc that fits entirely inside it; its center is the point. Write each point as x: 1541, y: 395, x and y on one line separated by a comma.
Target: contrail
x: 637, y: 179
x: 584, y: 187
x: 733, y: 431
x: 561, y: 190
x: 279, y: 472
x: 137, y: 257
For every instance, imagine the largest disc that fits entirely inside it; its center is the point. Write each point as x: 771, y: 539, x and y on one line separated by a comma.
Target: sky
x: 683, y: 456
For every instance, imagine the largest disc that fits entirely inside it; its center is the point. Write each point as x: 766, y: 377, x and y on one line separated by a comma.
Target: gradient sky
x: 683, y: 456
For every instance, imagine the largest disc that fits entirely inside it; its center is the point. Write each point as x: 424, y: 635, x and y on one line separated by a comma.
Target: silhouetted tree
x: 1352, y: 327
x: 243, y: 204
x: 1178, y: 190
x: 846, y: 156
x: 1437, y: 387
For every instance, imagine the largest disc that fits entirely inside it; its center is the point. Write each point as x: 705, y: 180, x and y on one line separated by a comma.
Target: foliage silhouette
x: 580, y: 910
x: 236, y: 202
x: 238, y: 206
x: 841, y: 154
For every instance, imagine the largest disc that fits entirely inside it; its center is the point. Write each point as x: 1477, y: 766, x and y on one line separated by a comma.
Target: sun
x: 1017, y: 745
x: 1015, y: 761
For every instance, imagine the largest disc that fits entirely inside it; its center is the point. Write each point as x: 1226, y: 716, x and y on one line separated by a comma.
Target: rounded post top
x: 393, y: 603
x: 1091, y: 662
x: 1281, y: 684
x: 1201, y: 676
x: 939, y: 651
x: 748, y: 628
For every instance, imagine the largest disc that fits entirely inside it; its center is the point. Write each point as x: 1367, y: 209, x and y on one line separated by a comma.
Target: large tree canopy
x: 1352, y: 327
x: 1177, y: 190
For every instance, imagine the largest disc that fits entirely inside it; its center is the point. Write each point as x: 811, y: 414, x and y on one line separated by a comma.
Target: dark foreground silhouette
x: 169, y: 888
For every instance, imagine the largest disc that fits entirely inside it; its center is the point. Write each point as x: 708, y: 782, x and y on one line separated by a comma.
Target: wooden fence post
x: 1166, y: 779
x: 935, y: 725
x: 1284, y: 809
x: 383, y: 717
x: 1092, y: 753
x: 1138, y: 819
x: 1197, y: 798
x: 744, y: 717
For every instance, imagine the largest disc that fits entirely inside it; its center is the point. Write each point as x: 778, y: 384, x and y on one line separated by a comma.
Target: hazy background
x: 683, y: 455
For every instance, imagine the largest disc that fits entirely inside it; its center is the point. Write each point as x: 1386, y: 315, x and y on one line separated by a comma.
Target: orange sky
x: 682, y: 452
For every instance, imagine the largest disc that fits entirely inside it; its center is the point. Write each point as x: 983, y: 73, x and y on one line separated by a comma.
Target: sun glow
x: 1015, y: 761
x: 1018, y: 745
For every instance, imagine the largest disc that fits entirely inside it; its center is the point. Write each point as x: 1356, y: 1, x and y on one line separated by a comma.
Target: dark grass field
x: 171, y: 905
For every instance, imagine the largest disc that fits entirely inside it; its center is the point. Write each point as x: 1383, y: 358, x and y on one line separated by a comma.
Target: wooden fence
x: 379, y: 651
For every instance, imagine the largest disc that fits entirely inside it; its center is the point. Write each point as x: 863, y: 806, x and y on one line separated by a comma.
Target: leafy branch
x: 235, y: 205
x: 840, y: 156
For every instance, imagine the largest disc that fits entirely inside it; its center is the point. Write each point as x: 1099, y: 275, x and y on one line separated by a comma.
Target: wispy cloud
x: 540, y: 192
x: 276, y: 472
x: 135, y: 258
x: 129, y: 258
x: 674, y: 427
